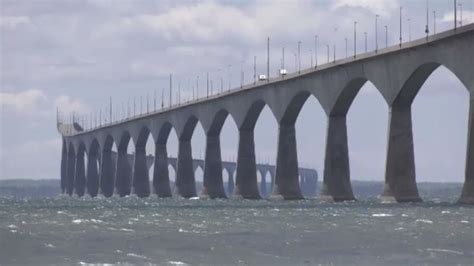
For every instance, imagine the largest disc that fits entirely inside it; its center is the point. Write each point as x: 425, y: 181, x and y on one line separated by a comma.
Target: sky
x: 74, y: 54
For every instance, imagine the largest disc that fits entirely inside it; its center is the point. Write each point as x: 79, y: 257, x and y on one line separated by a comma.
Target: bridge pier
x: 63, y: 167
x: 71, y: 168
x: 185, y: 181
x: 286, y: 177
x: 92, y: 181
x: 213, y: 186
x: 107, y: 174
x: 80, y: 175
x: 230, y: 183
x: 400, y: 175
x: 467, y: 195
x: 141, y: 180
x: 161, y: 179
x: 123, y: 173
x: 246, y: 179
x: 336, y: 184
x: 263, y: 185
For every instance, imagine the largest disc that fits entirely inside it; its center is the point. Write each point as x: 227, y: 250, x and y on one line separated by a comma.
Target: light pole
x: 334, y: 46
x: 376, y: 34
x: 434, y: 22
x: 229, y: 75
x: 401, y: 26
x: 299, y: 58
x: 268, y: 59
x: 460, y: 13
x: 455, y: 15
x: 386, y: 36
x: 346, y: 46
x: 427, y: 30
x: 365, y: 33
x: 327, y: 46
x: 254, y: 69
x: 316, y: 51
x: 409, y: 30
x: 355, y: 38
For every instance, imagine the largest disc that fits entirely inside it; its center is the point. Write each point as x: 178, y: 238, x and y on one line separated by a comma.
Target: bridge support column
x: 230, y: 183
x: 263, y: 185
x: 286, y: 177
x: 185, y: 182
x: 80, y: 175
x: 123, y: 173
x: 141, y: 180
x: 92, y: 174
x: 71, y: 168
x: 63, y: 167
x: 467, y: 195
x: 107, y: 174
x: 213, y: 186
x: 336, y: 184
x: 246, y: 179
x: 161, y: 179
x: 400, y: 176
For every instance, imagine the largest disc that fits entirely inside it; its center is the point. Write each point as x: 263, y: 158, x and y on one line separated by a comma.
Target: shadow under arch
x: 141, y: 179
x: 71, y: 167
x: 123, y: 165
x: 107, y: 169
x: 336, y: 183
x: 246, y: 183
x: 185, y: 178
x: 92, y: 178
x: 80, y: 173
x: 161, y: 177
x: 400, y: 178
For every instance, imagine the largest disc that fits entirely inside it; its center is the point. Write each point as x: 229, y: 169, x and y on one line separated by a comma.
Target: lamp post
x: 400, y: 26
x: 460, y: 13
x: 345, y: 39
x: 299, y: 57
x: 316, y: 51
x: 455, y: 15
x: 355, y: 38
x: 365, y: 33
x: 376, y: 34
x: 386, y: 36
x: 434, y: 22
x: 409, y: 30
x: 327, y: 46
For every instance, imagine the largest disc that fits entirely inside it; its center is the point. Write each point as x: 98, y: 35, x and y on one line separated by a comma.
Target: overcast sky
x: 75, y: 54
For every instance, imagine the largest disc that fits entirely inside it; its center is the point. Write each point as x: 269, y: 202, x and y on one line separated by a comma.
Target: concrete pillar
x: 71, y: 168
x: 63, y: 168
x: 161, y: 178
x: 80, y: 175
x: 92, y: 174
x: 213, y: 186
x: 141, y: 180
x: 337, y: 184
x: 107, y: 174
x: 185, y: 182
x: 246, y: 179
x: 400, y: 176
x: 263, y: 185
x: 467, y: 195
x: 123, y: 173
x: 286, y: 177
x: 230, y: 183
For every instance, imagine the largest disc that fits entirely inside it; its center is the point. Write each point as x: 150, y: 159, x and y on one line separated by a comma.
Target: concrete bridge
x: 308, y: 177
x: 397, y: 72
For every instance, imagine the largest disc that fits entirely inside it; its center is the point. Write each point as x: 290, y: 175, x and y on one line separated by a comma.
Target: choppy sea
x: 130, y: 231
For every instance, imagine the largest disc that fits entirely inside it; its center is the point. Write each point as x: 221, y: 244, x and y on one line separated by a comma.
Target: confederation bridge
x: 308, y: 177
x: 397, y: 72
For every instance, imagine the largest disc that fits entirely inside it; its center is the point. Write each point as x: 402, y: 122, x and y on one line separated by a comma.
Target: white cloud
x: 66, y: 104
x: 467, y: 17
x: 13, y: 21
x: 23, y: 102
x: 381, y: 7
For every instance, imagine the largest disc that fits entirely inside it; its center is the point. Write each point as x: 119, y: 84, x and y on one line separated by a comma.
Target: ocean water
x: 72, y: 231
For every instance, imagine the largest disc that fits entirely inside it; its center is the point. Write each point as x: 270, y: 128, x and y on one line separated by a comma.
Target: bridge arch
x: 80, y: 173
x: 71, y: 167
x: 93, y: 168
